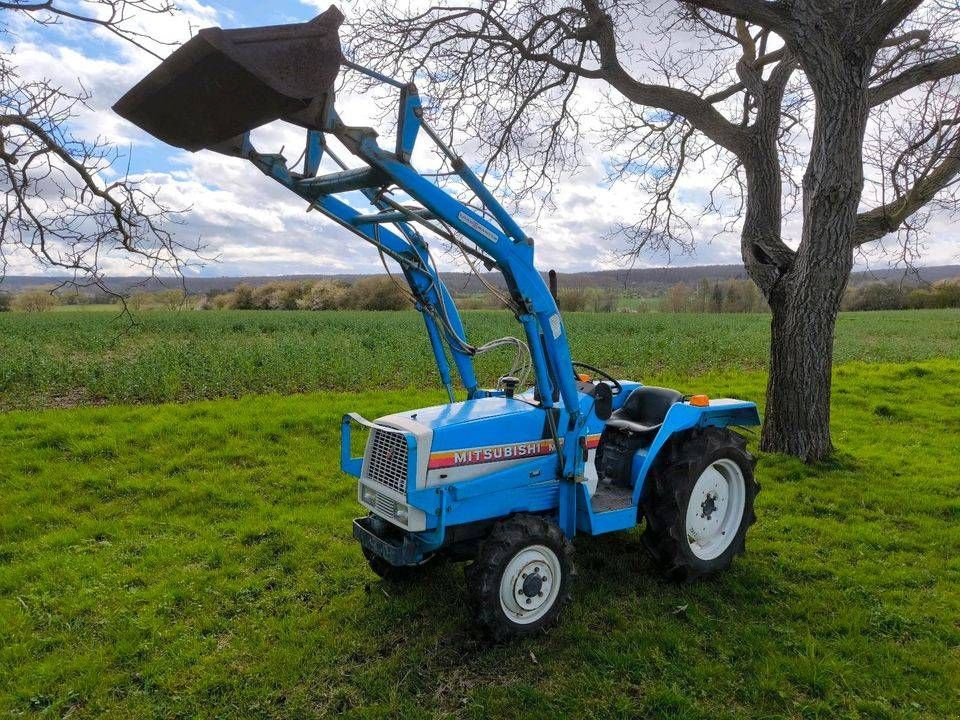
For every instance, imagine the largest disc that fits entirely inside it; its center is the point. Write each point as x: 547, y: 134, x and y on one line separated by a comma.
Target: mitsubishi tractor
x: 502, y: 478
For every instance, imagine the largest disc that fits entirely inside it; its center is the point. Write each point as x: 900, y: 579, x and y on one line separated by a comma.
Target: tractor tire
x: 700, y: 504
x: 522, y: 577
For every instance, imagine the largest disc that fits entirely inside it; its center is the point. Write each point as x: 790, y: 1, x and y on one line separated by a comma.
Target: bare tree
x: 757, y: 88
x: 66, y: 203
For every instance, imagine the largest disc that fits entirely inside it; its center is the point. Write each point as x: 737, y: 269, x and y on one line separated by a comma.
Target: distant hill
x: 643, y: 281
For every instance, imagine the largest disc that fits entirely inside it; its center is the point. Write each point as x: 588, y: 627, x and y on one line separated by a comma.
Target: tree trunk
x: 806, y: 298
x: 797, y: 416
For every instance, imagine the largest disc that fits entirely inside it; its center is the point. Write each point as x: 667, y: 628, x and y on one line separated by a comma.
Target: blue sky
x: 250, y: 226
x: 152, y: 155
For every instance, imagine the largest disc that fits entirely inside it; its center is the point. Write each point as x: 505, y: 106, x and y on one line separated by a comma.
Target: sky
x: 249, y: 225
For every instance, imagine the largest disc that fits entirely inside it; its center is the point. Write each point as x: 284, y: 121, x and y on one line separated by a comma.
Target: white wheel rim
x: 715, y: 509
x: 530, y: 584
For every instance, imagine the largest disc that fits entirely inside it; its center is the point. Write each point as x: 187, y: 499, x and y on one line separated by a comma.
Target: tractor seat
x: 644, y: 410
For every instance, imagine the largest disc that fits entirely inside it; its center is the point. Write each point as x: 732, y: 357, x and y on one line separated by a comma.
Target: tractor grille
x: 386, y: 506
x: 387, y: 460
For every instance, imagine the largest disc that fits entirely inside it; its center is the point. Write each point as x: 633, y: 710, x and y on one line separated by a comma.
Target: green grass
x: 195, y: 560
x: 76, y: 358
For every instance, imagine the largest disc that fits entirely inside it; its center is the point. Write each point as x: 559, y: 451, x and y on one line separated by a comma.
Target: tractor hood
x: 467, y: 439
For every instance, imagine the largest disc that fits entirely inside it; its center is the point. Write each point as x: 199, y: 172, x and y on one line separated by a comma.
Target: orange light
x: 583, y: 377
x: 700, y: 401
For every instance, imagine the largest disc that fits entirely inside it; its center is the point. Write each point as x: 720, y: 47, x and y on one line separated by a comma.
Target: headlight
x: 368, y: 495
x: 401, y: 514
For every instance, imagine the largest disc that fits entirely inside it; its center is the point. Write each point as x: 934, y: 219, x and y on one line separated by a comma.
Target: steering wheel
x: 617, y: 387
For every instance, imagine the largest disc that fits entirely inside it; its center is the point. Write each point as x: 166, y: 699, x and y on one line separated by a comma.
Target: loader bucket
x: 222, y: 83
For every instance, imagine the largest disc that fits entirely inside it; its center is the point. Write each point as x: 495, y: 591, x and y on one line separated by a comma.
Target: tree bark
x: 797, y: 417
x: 806, y: 299
x: 766, y: 258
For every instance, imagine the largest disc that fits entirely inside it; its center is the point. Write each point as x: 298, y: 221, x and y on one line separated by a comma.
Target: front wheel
x: 521, y: 578
x: 700, y: 505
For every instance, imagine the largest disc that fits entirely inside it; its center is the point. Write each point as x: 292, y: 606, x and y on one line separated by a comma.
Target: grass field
x: 66, y: 359
x: 195, y: 559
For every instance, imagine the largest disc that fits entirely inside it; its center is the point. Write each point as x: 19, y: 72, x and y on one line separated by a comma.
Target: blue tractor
x: 506, y: 477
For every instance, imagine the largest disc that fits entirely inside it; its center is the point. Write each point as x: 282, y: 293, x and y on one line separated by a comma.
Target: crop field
x: 78, y: 358
x: 194, y: 558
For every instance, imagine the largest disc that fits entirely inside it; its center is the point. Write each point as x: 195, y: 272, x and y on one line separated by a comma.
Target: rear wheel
x: 700, y: 505
x: 521, y: 578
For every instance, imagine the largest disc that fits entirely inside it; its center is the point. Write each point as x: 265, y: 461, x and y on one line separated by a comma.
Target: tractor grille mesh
x: 387, y: 460
x: 386, y: 506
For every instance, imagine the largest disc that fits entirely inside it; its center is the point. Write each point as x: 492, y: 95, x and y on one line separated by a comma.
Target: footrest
x: 611, y: 497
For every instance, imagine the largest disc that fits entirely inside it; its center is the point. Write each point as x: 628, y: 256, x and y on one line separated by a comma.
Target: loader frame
x: 487, y: 233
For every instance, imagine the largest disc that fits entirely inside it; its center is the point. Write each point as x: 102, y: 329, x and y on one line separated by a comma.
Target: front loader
x: 505, y: 477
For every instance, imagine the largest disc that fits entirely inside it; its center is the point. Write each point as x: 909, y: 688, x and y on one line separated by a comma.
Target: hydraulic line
x: 521, y: 367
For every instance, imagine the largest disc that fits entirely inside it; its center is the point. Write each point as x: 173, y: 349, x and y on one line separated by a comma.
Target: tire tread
x: 483, y: 575
x: 665, y: 508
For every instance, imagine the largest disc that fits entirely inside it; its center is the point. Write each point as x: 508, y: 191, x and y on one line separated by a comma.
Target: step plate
x: 611, y: 497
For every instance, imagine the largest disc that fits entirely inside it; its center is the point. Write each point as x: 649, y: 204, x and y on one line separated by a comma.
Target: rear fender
x: 682, y: 417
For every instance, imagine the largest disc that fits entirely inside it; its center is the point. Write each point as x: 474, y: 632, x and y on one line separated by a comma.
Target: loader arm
x: 504, y: 465
x: 222, y: 84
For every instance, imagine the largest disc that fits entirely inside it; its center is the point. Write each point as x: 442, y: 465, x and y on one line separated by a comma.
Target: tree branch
x: 874, y: 224
x: 58, y: 207
x: 921, y: 36
x: 92, y: 186
x: 118, y: 13
x: 28, y: 7
x: 917, y: 75
x: 698, y: 111
x: 759, y: 63
x: 890, y: 14
x: 759, y: 12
